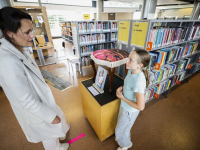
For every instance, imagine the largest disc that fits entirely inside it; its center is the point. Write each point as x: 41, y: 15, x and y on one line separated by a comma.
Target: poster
x: 139, y: 34
x: 40, y: 19
x: 37, y: 24
x: 123, y: 32
x: 101, y: 77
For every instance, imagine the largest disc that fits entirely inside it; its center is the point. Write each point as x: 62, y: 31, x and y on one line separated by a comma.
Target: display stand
x: 97, y: 88
x: 101, y: 110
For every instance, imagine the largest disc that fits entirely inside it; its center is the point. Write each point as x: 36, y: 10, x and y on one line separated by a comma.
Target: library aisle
x: 171, y: 123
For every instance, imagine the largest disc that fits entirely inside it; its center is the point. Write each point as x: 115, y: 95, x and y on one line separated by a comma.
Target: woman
x: 30, y: 97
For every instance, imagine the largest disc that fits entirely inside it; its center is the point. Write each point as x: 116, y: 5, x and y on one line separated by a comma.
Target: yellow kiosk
x: 101, y: 110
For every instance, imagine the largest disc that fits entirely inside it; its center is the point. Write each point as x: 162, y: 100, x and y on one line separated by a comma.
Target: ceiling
x: 159, y: 2
x: 163, y: 4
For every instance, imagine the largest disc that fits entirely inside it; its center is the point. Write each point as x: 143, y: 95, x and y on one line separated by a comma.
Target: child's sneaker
x: 62, y: 138
x: 125, y: 148
x: 64, y: 146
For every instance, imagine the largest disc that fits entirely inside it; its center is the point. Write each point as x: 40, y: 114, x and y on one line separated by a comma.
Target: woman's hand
x: 119, y: 92
x: 56, y: 120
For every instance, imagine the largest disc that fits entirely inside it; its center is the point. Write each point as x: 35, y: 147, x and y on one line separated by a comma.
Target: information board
x: 139, y: 34
x: 123, y: 32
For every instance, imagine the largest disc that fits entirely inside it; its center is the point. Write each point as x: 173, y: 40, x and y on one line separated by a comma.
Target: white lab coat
x: 30, y: 97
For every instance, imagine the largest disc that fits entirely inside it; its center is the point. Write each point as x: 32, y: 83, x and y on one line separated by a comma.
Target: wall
x: 123, y: 16
x: 111, y: 10
x: 177, y: 12
x: 136, y: 15
x: 104, y: 16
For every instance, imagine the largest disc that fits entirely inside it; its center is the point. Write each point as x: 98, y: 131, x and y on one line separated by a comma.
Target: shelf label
x: 157, y: 66
x: 123, y: 32
x: 178, y: 82
x: 199, y: 61
x: 139, y: 32
x: 149, y: 46
x: 156, y: 95
x: 189, y: 66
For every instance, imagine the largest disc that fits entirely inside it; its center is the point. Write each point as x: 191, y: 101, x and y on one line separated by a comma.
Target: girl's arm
x: 140, y: 99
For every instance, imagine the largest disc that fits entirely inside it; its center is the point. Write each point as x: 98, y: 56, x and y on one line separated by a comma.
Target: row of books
x: 180, y: 76
x: 66, y: 28
x: 92, y: 39
x: 114, y: 26
x: 166, y: 36
x: 183, y: 64
x: 113, y: 45
x: 64, y: 24
x: 190, y: 48
x: 105, y: 25
x: 165, y: 56
x: 67, y: 36
x: 196, y: 67
x: 195, y: 32
x: 92, y: 48
x: 159, y: 88
x: 163, y: 86
x: 68, y: 24
x: 164, y: 72
x: 157, y: 23
x: 114, y: 37
x: 61, y: 24
x: 168, y: 70
x: 85, y: 27
x: 67, y: 33
x: 85, y: 61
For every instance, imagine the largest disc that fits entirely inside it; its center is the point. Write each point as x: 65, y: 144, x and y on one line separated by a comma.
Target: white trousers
x: 53, y: 143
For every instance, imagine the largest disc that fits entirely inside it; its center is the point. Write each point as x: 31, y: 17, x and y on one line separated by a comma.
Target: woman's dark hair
x: 10, y: 20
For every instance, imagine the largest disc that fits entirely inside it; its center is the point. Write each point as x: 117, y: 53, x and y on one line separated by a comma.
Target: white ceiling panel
x: 159, y: 2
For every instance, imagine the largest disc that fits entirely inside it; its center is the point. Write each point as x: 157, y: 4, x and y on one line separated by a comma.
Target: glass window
x: 54, y: 24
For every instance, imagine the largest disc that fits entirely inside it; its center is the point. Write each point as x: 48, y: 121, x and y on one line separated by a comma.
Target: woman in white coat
x: 30, y: 97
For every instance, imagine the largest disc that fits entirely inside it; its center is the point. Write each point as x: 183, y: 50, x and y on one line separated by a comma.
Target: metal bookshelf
x: 130, y: 45
x: 97, y: 45
x: 66, y: 34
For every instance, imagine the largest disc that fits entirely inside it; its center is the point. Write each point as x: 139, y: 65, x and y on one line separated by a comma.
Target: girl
x: 30, y: 97
x: 132, y: 96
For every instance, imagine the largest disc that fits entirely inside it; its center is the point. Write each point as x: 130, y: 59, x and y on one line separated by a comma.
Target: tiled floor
x: 171, y: 123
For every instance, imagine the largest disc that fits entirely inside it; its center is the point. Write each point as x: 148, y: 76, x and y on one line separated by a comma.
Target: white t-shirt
x: 133, y: 83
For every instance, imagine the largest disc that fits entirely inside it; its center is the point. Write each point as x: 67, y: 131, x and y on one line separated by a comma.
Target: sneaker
x: 125, y: 148
x: 64, y: 146
x: 62, y: 138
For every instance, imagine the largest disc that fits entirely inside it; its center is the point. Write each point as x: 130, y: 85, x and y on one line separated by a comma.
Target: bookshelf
x: 174, y: 46
x: 66, y: 31
x: 89, y: 36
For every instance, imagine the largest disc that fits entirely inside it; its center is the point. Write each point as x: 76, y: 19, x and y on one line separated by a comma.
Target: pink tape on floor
x: 76, y: 138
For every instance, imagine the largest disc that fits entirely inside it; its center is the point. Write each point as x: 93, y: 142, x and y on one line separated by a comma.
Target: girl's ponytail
x: 144, y: 58
x: 146, y: 74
